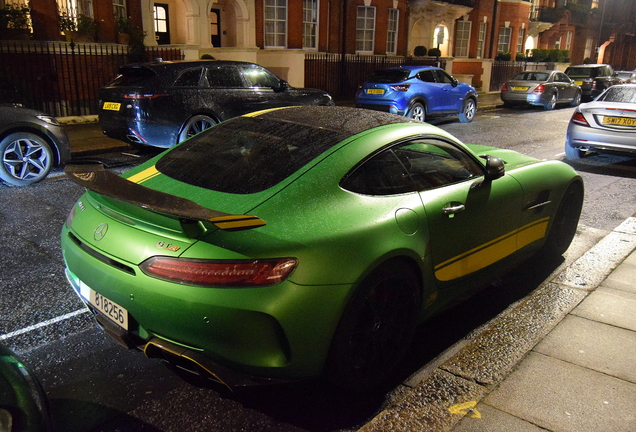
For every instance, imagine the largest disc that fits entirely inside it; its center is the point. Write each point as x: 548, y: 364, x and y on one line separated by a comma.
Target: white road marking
x: 43, y: 324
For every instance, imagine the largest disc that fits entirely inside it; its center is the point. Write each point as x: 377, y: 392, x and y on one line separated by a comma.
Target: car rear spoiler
x: 97, y: 179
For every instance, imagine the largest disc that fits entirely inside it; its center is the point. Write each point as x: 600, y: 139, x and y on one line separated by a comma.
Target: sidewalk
x: 576, y: 373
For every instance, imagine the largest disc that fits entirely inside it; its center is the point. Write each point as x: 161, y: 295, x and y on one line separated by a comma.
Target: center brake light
x: 142, y: 96
x: 219, y: 273
x: 400, y: 87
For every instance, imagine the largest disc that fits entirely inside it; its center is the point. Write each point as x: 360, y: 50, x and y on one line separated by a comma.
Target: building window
x: 568, y: 41
x: 557, y: 44
x: 594, y: 4
x: 161, y: 19
x: 365, y: 29
x: 504, y: 39
x: 481, y: 40
x: 275, y: 23
x: 520, y: 40
x: 392, y: 31
x: 310, y: 23
x: 73, y: 8
x: 588, y: 48
x: 462, y: 38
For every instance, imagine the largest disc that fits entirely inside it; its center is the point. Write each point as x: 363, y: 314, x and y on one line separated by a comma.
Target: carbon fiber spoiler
x: 97, y: 179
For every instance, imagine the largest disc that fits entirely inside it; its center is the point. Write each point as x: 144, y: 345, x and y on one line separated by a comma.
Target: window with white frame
x: 557, y: 44
x: 392, y: 31
x: 73, y: 8
x: 365, y: 29
x: 462, y: 38
x: 504, y: 39
x: 568, y: 40
x: 119, y: 9
x: 275, y: 23
x: 520, y: 40
x: 481, y: 40
x: 310, y: 24
x: 588, y: 48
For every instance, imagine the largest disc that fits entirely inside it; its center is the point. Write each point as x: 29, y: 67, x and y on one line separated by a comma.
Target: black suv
x: 163, y: 103
x: 593, y: 78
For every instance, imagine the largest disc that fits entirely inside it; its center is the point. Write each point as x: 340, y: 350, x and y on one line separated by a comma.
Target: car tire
x: 195, y: 125
x: 565, y: 221
x: 417, y: 112
x: 26, y: 158
x: 577, y: 100
x: 468, y: 111
x: 549, y: 105
x: 376, y: 329
x: 572, y: 153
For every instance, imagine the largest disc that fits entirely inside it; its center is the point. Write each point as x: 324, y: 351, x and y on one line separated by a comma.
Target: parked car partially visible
x: 593, y: 78
x: 626, y: 77
x: 164, y: 103
x: 418, y: 92
x: 541, y: 88
x: 605, y: 125
x: 31, y: 143
x: 24, y: 406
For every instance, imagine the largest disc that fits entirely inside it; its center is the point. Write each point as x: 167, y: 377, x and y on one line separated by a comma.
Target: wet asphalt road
x: 94, y: 384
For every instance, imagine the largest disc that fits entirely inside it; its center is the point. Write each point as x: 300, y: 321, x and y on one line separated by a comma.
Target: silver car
x: 542, y: 88
x: 605, y: 125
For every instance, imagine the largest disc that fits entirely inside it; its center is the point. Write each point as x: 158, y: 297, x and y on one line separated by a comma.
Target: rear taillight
x: 540, y: 89
x: 139, y: 96
x: 504, y: 87
x: 593, y: 85
x: 219, y: 273
x: 400, y: 87
x: 578, y: 118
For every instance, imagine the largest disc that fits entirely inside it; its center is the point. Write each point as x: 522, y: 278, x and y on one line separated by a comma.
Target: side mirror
x: 494, y: 168
x: 281, y: 86
x: 455, y: 82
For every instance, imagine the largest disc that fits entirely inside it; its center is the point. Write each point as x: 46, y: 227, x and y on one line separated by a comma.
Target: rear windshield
x: 625, y: 94
x: 390, y: 76
x: 531, y: 76
x: 246, y: 155
x: 579, y: 72
x: 132, y: 77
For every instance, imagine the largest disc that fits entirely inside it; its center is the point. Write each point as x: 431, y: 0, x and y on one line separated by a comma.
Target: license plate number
x: 375, y: 91
x: 620, y: 121
x: 106, y: 307
x: 520, y: 88
x: 112, y: 106
x: 578, y: 83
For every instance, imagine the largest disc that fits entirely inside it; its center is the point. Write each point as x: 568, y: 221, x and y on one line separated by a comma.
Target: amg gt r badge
x: 170, y: 247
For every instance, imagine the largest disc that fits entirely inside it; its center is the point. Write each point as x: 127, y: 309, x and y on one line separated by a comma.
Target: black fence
x: 62, y: 79
x: 502, y: 71
x: 341, y: 77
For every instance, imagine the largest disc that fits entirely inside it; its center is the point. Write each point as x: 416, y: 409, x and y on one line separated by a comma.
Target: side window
x: 383, y: 174
x: 189, y: 78
x: 432, y: 163
x: 443, y: 77
x: 224, y: 77
x: 426, y: 76
x: 258, y: 77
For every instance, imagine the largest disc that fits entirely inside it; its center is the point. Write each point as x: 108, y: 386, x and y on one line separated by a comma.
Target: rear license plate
x: 619, y: 121
x: 112, y: 106
x: 106, y: 307
x: 578, y: 83
x: 520, y: 88
x: 375, y: 91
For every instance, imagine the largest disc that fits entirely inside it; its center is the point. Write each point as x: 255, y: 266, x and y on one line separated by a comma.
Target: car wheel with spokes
x: 468, y: 113
x: 549, y: 106
x: 26, y: 158
x: 577, y: 99
x: 376, y: 329
x: 417, y: 112
x: 195, y: 125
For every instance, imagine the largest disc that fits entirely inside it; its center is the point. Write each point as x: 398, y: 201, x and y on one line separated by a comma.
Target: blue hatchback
x: 418, y: 92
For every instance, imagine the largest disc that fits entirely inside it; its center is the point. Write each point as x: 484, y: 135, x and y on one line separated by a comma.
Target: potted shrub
x: 14, y: 22
x: 124, y: 28
x: 68, y: 27
x: 86, y: 28
x: 434, y: 52
x: 419, y: 51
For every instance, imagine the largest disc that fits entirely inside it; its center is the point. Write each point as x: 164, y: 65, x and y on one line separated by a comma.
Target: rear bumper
x: 599, y: 140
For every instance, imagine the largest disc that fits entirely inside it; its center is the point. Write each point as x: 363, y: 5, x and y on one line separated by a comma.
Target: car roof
x: 414, y: 68
x: 588, y: 66
x: 184, y: 64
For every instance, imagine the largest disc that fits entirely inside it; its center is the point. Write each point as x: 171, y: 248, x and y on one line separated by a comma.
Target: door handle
x: 452, y: 208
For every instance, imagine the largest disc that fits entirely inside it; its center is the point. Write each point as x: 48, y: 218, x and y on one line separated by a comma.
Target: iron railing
x: 62, y: 79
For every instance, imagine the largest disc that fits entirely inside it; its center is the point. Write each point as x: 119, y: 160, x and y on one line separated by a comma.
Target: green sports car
x: 295, y: 242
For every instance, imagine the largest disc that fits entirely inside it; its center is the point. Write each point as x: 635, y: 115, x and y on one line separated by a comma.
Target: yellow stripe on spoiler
x: 237, y: 222
x: 257, y: 113
x: 146, y: 174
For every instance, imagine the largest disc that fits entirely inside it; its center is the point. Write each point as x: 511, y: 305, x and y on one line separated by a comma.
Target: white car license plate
x: 112, y: 106
x: 108, y: 308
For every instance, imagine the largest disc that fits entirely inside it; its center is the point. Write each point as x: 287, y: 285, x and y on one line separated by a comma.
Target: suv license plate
x: 375, y: 91
x: 106, y: 307
x: 112, y: 106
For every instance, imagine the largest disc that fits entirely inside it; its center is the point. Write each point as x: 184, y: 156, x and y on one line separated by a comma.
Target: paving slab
x: 609, y: 306
x: 624, y: 277
x: 593, y: 345
x: 563, y: 397
x: 492, y: 420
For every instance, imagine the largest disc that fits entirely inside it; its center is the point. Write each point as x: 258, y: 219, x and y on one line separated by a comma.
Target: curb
x: 466, y: 375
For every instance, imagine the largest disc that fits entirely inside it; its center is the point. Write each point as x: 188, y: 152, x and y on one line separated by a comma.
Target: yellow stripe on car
x: 491, y: 252
x: 237, y: 222
x: 146, y: 174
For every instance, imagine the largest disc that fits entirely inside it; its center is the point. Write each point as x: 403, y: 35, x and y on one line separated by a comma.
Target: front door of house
x: 215, y: 27
x: 162, y: 24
